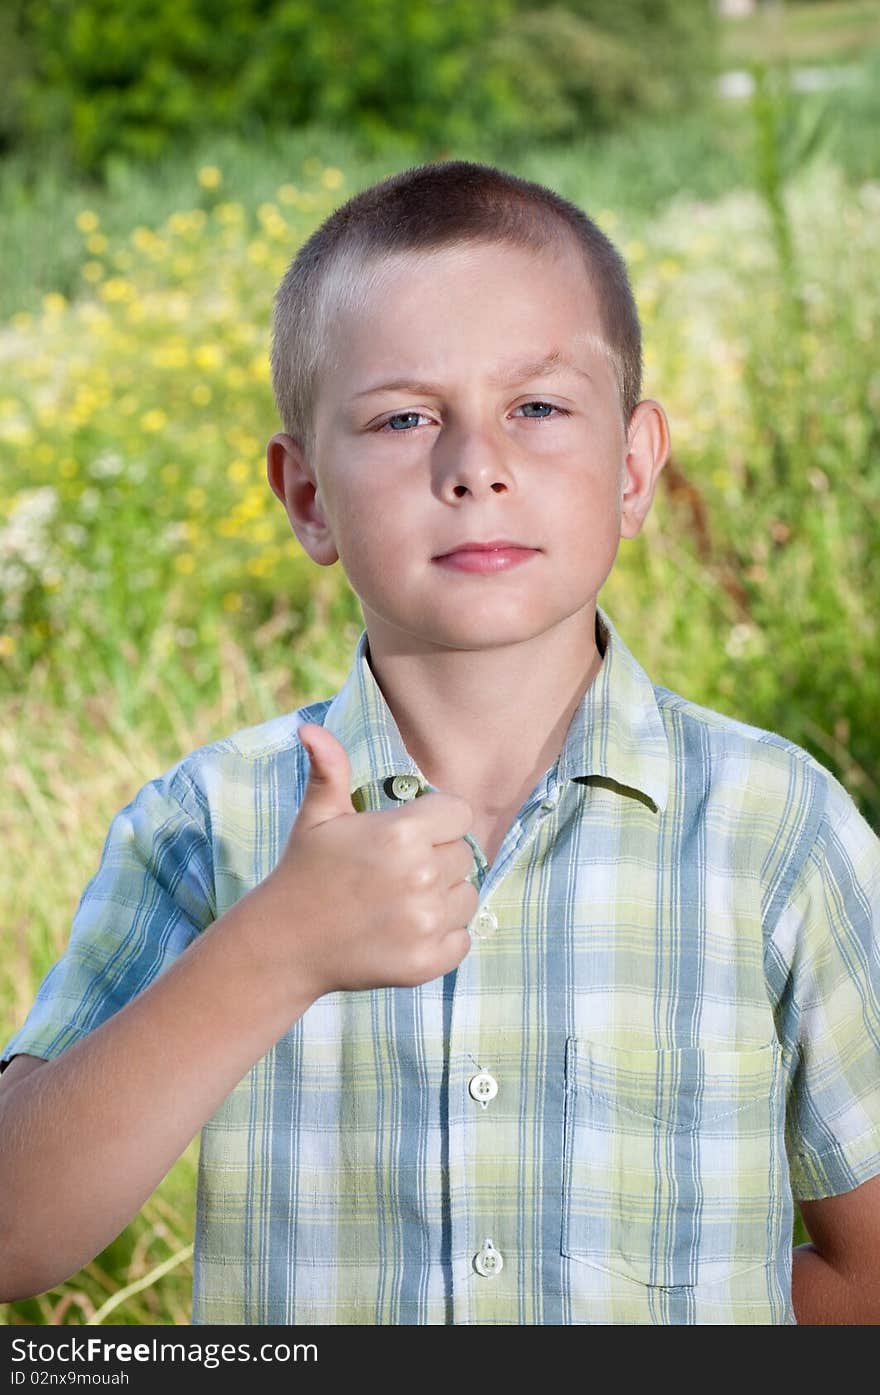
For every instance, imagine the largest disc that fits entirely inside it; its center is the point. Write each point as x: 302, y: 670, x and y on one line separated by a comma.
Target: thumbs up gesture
x: 371, y: 900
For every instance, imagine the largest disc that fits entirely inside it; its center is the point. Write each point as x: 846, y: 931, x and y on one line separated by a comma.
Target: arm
x: 88, y: 1136
x: 836, y: 1278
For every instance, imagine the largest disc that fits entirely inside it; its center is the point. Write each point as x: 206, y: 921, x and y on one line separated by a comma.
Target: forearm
x: 87, y: 1137
x: 822, y: 1294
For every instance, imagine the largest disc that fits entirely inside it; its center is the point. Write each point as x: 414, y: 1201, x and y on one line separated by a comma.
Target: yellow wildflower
x: 143, y: 238
x: 116, y: 289
x: 172, y: 353
x: 208, y: 356
x: 87, y: 221
x: 229, y: 213
x: 210, y: 177
x: 154, y: 420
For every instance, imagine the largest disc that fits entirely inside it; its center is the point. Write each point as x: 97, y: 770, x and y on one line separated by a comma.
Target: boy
x: 506, y: 986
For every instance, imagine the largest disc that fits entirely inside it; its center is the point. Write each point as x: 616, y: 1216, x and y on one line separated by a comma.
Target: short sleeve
x: 830, y: 927
x: 152, y: 894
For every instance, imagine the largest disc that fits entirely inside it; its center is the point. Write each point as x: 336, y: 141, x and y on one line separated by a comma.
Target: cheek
x: 593, y: 509
x: 369, y: 539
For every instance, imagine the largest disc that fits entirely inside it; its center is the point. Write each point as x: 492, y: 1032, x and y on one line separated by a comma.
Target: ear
x: 293, y: 480
x: 646, y: 453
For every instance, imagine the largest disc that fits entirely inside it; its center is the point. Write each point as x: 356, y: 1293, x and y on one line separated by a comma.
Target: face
x: 481, y: 449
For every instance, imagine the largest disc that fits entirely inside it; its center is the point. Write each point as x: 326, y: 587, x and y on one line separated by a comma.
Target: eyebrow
x: 519, y: 372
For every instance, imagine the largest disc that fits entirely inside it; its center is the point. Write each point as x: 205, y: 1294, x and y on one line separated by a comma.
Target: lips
x: 486, y: 561
x: 494, y: 545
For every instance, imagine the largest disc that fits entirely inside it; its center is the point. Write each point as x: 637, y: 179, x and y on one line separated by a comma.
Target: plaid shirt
x: 667, y: 1028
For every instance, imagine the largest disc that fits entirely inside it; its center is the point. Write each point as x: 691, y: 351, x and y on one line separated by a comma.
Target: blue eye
x: 400, y: 416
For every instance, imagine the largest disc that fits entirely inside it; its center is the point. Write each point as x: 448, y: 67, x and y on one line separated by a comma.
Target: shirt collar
x: 616, y: 733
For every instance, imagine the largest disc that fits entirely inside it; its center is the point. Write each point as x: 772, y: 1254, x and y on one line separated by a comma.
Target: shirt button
x: 486, y: 924
x: 404, y: 786
x: 488, y: 1261
x: 483, y: 1087
x: 550, y: 802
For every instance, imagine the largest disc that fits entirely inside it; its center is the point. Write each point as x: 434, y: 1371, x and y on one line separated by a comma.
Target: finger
x: 447, y: 817
x: 456, y: 861
x: 462, y: 903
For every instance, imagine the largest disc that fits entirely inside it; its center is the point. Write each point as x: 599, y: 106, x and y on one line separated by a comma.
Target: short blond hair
x: 416, y: 212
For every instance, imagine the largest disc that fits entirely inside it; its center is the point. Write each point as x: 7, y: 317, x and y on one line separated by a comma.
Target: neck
x: 485, y: 723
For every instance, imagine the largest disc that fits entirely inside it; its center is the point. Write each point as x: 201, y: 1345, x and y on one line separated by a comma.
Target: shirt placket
x: 485, y: 1273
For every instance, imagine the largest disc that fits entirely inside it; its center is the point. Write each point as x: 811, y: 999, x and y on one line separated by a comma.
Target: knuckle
x: 427, y: 920
x: 423, y: 877
x: 400, y: 837
x: 421, y: 964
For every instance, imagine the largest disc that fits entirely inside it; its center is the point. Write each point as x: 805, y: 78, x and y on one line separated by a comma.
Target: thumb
x: 327, y: 792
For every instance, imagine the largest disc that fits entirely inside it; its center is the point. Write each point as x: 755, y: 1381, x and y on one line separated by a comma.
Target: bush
x: 98, y: 78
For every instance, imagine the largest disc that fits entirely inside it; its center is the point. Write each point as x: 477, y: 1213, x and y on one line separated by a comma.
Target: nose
x: 472, y: 462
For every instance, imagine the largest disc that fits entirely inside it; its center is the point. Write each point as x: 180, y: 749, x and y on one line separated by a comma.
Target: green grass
x: 807, y: 33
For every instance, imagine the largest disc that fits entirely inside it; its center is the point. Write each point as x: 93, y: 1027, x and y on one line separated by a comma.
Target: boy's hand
x: 371, y: 900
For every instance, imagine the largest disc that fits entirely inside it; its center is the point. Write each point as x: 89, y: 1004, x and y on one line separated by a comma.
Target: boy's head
x: 457, y: 356
x: 411, y: 215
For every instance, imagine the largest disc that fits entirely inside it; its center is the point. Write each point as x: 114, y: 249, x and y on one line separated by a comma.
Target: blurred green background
x: 159, y: 165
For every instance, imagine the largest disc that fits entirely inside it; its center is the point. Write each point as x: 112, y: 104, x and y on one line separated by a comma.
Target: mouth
x: 485, y: 559
x: 496, y: 545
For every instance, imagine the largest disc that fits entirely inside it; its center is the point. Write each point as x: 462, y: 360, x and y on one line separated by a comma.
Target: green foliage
x: 97, y: 78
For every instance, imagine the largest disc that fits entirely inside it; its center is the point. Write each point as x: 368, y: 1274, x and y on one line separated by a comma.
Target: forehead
x: 466, y: 266
x: 512, y: 303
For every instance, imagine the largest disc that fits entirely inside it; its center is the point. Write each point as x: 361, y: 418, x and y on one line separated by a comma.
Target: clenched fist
x: 369, y: 900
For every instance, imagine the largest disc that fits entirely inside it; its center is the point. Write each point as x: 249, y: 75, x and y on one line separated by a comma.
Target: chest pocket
x: 674, y: 1163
